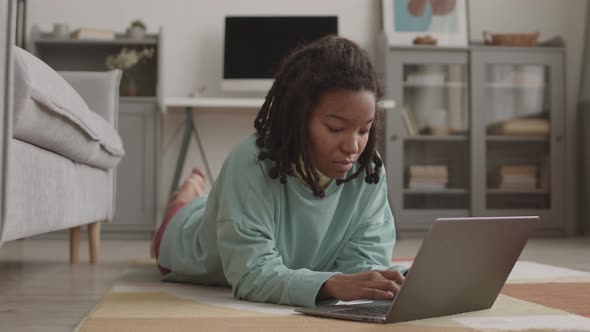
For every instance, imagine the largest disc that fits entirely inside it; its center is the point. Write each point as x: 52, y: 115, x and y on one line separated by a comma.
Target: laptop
x: 461, y: 266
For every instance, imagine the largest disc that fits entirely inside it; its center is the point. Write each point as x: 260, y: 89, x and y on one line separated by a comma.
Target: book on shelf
x: 429, y: 171
x: 409, y: 121
x: 521, y: 126
x: 428, y: 177
x: 437, y: 131
x: 522, y: 170
x: 93, y: 34
x: 517, y: 177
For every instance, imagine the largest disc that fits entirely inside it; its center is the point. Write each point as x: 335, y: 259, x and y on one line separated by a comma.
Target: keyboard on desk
x: 372, y: 311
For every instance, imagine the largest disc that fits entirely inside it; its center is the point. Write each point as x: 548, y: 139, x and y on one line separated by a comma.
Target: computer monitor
x: 255, y: 45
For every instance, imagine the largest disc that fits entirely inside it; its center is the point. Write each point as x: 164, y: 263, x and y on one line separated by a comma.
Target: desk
x: 191, y: 104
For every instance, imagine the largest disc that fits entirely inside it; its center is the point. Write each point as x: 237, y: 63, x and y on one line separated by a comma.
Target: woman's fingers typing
x: 363, y: 285
x: 374, y: 293
x: 396, y: 276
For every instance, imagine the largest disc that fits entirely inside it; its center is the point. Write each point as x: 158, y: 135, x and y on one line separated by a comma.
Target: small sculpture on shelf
x: 425, y: 40
x: 510, y: 39
x: 129, y: 60
x: 136, y: 30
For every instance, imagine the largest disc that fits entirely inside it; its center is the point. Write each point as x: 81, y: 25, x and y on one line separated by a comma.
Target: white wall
x: 193, y: 29
x: 193, y: 36
x: 193, y: 33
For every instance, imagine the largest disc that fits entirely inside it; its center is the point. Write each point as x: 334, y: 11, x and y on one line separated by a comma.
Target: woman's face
x: 339, y: 130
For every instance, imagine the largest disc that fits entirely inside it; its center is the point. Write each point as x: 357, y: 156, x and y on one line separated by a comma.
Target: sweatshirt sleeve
x: 371, y: 245
x: 255, y: 269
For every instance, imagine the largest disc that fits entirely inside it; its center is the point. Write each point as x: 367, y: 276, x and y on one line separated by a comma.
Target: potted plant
x: 136, y: 29
x: 129, y: 61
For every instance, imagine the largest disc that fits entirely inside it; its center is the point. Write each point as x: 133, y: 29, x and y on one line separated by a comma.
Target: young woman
x: 299, y: 211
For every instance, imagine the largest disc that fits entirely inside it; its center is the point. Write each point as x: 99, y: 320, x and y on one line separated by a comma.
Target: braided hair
x: 326, y: 65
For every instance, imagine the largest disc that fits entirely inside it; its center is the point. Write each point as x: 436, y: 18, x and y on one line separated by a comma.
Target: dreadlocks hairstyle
x: 329, y: 64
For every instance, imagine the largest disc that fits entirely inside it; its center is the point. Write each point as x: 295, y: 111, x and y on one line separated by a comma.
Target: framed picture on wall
x: 434, y: 22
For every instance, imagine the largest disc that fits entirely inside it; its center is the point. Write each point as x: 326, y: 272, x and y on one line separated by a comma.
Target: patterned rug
x: 537, y: 297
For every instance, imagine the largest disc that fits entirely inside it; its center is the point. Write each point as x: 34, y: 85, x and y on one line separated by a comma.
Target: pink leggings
x: 170, y: 212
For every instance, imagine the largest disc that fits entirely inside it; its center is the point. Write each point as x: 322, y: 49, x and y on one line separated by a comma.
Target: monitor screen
x: 255, y: 45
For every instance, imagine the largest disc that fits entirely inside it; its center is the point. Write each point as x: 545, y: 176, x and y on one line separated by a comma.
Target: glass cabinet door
x: 518, y: 128
x: 435, y: 144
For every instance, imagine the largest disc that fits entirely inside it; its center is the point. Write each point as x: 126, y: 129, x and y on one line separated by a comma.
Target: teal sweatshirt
x: 276, y: 242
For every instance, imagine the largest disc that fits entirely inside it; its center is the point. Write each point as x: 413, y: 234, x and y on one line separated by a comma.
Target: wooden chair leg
x: 94, y: 241
x: 74, y: 245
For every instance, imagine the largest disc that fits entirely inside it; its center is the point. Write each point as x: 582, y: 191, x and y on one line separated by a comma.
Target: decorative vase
x: 61, y: 30
x: 135, y: 32
x: 130, y: 87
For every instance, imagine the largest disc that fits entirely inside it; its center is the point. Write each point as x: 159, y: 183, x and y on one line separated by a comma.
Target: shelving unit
x: 450, y: 146
x: 138, y: 125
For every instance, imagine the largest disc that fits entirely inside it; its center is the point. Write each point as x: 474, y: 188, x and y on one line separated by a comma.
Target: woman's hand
x: 381, y: 285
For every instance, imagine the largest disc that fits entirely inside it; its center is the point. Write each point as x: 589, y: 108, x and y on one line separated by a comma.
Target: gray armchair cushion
x: 49, y: 113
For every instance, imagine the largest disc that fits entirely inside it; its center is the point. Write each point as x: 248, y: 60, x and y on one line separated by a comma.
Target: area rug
x: 537, y: 297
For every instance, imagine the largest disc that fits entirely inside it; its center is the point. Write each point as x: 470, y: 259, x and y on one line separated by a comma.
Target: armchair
x: 58, y: 159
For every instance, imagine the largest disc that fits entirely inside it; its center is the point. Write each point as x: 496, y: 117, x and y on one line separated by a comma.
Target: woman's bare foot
x: 193, y: 187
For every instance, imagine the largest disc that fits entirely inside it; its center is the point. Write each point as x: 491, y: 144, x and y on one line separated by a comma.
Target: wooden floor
x: 40, y: 291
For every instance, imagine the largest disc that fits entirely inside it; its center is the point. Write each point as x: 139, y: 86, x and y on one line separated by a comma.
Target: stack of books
x: 428, y: 177
x: 93, y: 34
x: 518, y: 177
x: 521, y: 127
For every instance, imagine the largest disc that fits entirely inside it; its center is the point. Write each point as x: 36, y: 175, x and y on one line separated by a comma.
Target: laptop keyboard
x: 373, y: 311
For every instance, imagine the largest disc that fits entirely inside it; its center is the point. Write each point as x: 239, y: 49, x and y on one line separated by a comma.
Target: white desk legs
x: 202, y: 151
x: 188, y: 130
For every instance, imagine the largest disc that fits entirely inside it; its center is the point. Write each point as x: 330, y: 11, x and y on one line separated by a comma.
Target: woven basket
x: 510, y: 39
